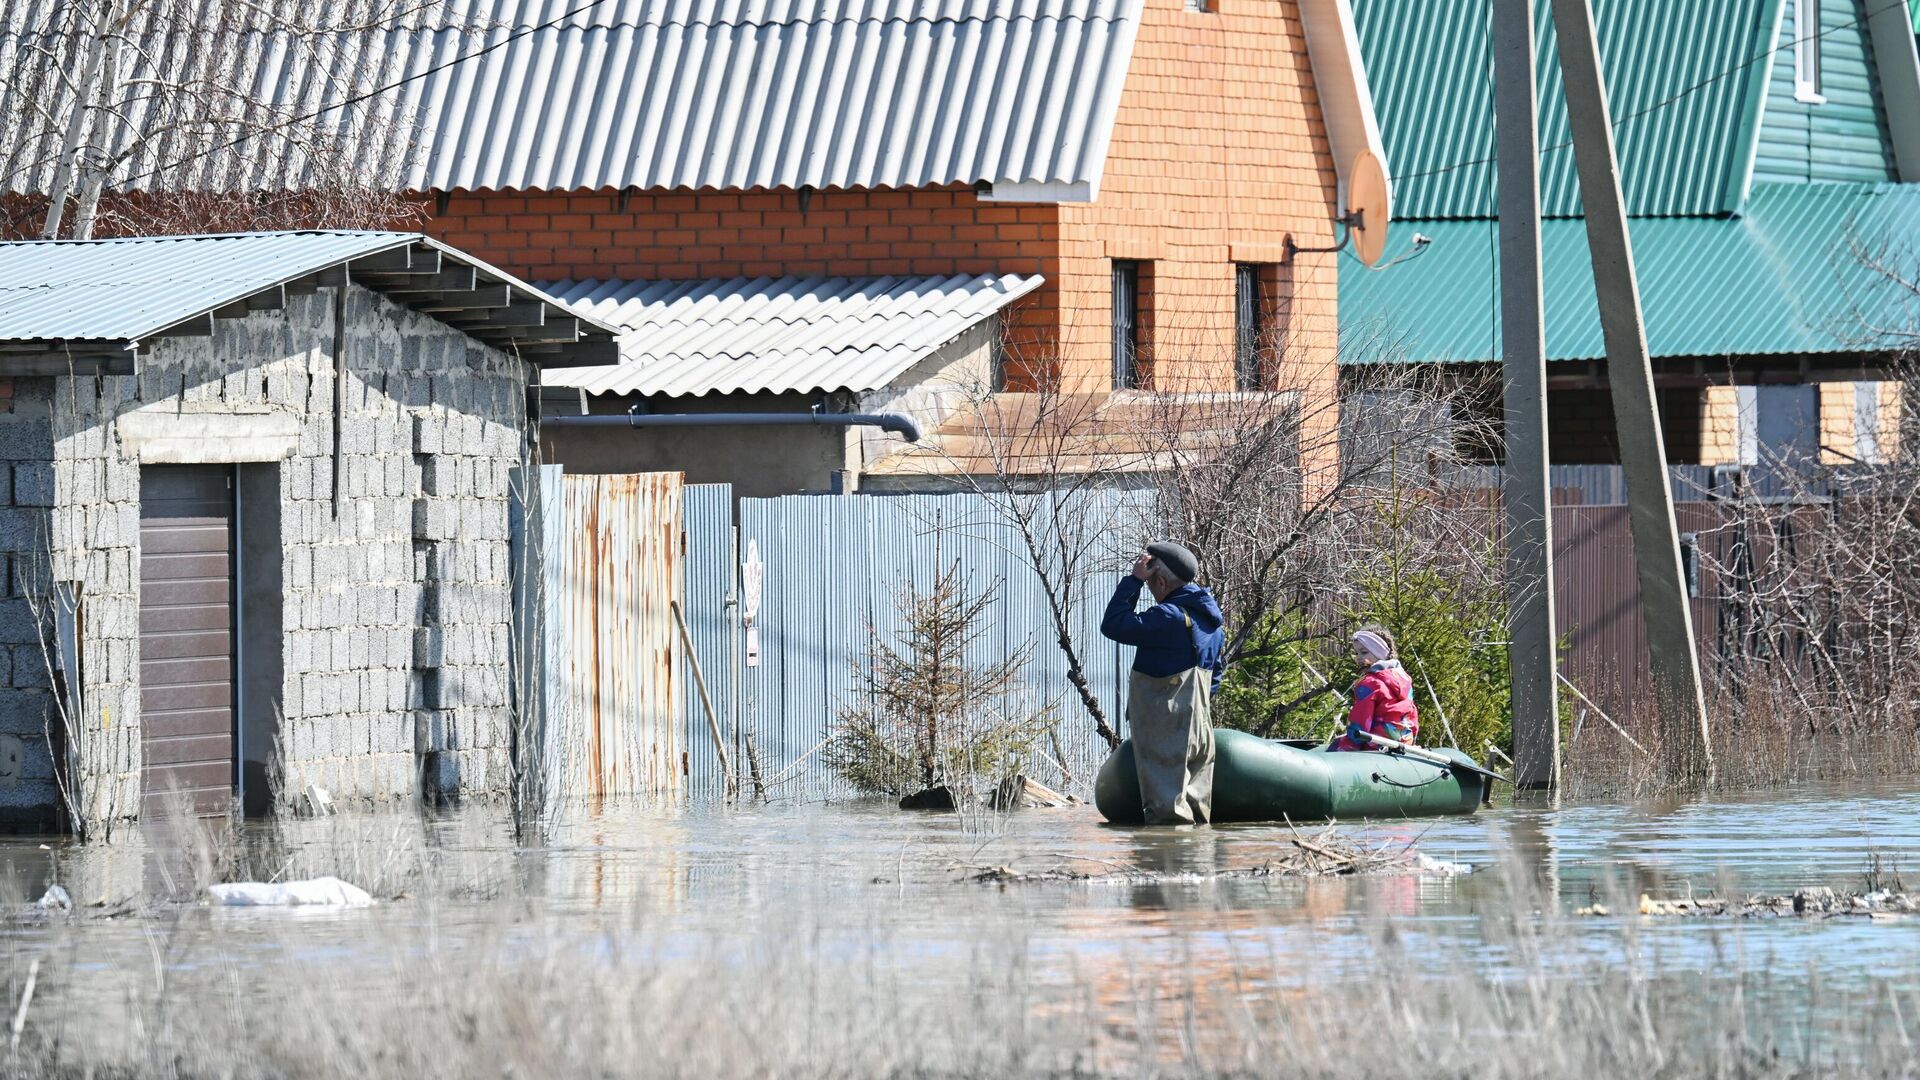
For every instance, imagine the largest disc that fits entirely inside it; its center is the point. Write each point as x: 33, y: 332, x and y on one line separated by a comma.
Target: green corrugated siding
x: 1429, y: 69
x: 1843, y: 139
x: 1783, y: 279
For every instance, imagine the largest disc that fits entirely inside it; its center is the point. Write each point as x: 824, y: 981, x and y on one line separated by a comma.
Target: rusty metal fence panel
x: 613, y: 689
x: 832, y: 569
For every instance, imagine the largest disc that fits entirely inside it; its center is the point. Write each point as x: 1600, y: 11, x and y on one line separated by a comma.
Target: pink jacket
x: 1383, y: 706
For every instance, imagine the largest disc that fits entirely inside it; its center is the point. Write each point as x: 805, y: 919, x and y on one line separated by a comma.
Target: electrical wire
x: 1711, y: 80
x: 369, y: 95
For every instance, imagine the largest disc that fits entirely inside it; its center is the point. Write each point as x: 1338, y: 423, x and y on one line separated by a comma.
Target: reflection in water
x: 1183, y: 858
x: 862, y: 886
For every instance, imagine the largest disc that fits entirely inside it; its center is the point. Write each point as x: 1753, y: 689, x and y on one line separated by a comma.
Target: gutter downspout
x: 898, y: 423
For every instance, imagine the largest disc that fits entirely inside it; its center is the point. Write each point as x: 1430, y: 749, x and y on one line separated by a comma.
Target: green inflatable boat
x: 1257, y: 779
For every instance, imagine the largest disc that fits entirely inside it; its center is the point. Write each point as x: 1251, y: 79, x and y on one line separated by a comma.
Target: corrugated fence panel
x: 556, y: 642
x: 836, y: 571
x: 1597, y: 601
x: 613, y: 686
x: 709, y: 603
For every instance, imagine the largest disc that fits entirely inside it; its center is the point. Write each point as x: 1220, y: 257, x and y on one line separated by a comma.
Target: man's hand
x: 1143, y: 566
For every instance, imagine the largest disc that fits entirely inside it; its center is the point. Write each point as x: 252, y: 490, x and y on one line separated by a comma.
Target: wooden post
x: 1524, y: 490
x: 706, y: 700
x: 1656, y: 541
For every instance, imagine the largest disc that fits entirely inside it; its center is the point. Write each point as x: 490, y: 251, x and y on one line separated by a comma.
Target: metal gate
x: 186, y: 636
x: 611, y: 569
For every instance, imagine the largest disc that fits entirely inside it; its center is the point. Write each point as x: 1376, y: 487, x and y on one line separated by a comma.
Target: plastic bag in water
x: 319, y: 892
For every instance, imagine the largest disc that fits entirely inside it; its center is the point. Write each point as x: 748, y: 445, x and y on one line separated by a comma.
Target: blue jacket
x: 1167, y: 644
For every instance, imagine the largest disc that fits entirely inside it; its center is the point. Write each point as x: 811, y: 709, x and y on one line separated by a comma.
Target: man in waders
x: 1175, y: 673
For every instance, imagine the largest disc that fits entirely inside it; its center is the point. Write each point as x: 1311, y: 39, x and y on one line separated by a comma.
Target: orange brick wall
x: 674, y: 234
x: 1219, y: 154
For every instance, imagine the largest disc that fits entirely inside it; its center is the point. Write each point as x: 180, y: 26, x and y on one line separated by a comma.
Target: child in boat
x: 1383, y: 696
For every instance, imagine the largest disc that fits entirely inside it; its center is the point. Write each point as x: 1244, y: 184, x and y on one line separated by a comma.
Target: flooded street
x: 863, y: 902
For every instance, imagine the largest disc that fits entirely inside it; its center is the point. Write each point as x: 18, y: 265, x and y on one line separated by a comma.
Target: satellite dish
x: 1367, y: 210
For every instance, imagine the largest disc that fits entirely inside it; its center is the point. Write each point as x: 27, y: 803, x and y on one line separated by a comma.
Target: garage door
x: 186, y: 635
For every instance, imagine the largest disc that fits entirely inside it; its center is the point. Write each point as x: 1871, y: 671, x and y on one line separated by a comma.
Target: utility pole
x: 1524, y: 490
x: 1656, y: 547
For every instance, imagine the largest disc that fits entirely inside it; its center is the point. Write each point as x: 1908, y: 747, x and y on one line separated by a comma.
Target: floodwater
x: 683, y: 880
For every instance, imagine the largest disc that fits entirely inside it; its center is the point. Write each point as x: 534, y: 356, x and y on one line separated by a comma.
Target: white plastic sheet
x: 318, y: 892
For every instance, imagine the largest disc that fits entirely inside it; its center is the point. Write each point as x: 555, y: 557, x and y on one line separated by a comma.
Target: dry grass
x: 441, y: 986
x: 1773, y: 745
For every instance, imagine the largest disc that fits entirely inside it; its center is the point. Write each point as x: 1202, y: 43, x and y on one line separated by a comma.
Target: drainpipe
x: 898, y: 423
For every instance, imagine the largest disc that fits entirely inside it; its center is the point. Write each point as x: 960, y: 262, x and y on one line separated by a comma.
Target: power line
x: 1620, y: 121
x: 376, y: 92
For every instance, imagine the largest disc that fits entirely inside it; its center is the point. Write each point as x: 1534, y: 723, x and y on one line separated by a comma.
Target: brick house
x: 1043, y: 163
x: 1769, y: 152
x: 256, y: 518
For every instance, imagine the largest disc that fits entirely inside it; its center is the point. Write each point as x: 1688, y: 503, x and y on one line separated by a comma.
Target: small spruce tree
x: 922, y: 716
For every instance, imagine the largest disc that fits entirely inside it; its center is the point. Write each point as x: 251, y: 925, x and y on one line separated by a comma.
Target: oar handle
x: 1440, y: 761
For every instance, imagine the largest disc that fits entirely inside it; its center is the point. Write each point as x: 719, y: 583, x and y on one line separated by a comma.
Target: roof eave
x: 1346, y: 98
x: 1898, y: 62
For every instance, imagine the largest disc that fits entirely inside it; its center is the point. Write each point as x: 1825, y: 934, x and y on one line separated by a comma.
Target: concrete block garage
x: 255, y: 507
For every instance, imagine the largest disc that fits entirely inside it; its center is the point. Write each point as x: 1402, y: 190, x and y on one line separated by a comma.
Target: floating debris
x: 1324, y: 855
x: 1022, y: 792
x: 1814, y: 903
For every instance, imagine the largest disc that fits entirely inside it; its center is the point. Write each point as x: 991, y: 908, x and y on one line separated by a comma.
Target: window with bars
x: 1250, y: 333
x: 1126, y: 325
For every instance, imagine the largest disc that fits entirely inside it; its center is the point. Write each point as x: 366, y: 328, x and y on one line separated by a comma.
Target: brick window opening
x: 1252, y: 337
x: 1127, y: 318
x: 1202, y: 6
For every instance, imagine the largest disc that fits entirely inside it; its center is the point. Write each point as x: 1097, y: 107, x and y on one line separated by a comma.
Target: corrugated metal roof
x: 1786, y: 278
x: 1679, y: 81
x: 126, y: 290
x: 651, y: 94
x: 774, y: 335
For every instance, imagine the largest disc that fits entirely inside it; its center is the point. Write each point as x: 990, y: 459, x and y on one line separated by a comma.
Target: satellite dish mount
x: 1364, y: 223
x: 1348, y: 222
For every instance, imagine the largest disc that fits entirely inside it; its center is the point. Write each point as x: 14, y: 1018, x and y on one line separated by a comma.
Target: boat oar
x: 1414, y: 753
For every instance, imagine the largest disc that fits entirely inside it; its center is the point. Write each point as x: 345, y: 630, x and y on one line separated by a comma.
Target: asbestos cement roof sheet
x: 754, y: 335
x: 124, y: 291
x: 689, y: 94
x: 1795, y: 275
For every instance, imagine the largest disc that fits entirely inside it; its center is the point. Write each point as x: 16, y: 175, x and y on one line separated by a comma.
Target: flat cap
x: 1175, y: 558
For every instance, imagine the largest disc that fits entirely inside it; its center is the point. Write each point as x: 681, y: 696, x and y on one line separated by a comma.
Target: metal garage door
x: 186, y: 634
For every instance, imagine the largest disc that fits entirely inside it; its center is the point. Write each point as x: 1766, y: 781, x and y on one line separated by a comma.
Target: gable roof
x: 757, y: 335
x: 733, y: 94
x: 1431, y: 72
x: 1789, y: 277
x: 103, y: 299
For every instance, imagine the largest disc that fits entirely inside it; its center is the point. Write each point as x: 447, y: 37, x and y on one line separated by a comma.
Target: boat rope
x: 1382, y: 778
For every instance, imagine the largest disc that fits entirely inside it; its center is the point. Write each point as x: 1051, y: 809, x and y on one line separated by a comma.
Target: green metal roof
x: 1684, y: 80
x: 1785, y: 278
